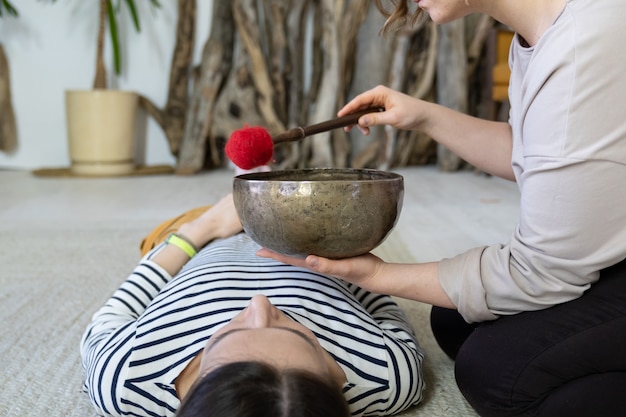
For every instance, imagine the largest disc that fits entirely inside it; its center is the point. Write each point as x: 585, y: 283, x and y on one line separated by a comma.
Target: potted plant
x: 101, y: 121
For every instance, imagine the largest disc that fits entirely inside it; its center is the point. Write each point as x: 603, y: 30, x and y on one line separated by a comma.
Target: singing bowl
x: 331, y: 212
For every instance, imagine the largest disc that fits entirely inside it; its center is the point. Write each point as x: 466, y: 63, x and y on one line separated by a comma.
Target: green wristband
x: 181, y: 243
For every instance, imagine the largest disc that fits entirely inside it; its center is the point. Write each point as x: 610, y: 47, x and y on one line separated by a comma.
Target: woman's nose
x: 260, y: 312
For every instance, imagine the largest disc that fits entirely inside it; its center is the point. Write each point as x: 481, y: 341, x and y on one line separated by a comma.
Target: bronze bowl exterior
x: 331, y: 212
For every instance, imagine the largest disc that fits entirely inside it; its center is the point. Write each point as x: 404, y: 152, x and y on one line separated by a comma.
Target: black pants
x: 568, y: 360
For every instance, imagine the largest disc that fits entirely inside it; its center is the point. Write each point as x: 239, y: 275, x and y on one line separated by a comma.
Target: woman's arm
x: 219, y: 221
x: 108, y: 339
x: 418, y: 282
x: 485, y: 144
x: 159, y: 266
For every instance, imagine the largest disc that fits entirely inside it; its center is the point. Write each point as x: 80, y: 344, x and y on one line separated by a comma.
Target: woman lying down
x: 204, y: 327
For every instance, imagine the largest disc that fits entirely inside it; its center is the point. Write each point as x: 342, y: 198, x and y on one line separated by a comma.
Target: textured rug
x: 66, y: 244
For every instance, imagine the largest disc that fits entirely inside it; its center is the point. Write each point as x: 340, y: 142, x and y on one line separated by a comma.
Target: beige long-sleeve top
x: 568, y: 117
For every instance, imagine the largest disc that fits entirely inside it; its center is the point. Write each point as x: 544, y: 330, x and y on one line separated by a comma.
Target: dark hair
x: 257, y: 389
x: 399, y: 16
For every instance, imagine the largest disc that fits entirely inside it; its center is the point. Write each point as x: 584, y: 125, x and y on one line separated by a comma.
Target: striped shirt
x: 145, y: 335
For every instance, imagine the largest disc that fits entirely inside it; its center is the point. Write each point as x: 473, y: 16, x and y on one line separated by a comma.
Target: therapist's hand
x: 401, y: 110
x: 361, y: 270
x: 417, y: 281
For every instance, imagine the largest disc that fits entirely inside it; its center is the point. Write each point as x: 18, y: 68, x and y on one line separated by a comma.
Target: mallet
x: 252, y: 147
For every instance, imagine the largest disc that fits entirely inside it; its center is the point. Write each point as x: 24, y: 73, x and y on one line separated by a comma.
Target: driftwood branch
x: 247, y: 23
x: 216, y: 64
x: 451, y: 81
x: 397, y: 77
x: 355, y: 14
x: 288, y: 63
x: 295, y: 77
x: 8, y: 129
x: 477, y: 44
x: 326, y: 100
x: 276, y: 33
x: 428, y: 69
x: 236, y: 105
x: 172, y: 117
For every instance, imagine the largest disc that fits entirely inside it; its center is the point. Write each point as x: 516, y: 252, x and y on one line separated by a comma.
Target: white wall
x: 51, y: 48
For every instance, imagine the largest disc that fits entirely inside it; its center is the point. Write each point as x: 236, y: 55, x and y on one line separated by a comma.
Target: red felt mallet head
x: 253, y: 147
x: 250, y: 147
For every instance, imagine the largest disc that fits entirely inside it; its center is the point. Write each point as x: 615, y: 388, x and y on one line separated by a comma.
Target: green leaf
x: 115, y: 37
x: 133, y: 13
x: 112, y: 13
x: 5, y: 4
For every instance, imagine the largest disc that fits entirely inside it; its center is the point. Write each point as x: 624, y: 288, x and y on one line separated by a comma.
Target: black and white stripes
x: 149, y: 330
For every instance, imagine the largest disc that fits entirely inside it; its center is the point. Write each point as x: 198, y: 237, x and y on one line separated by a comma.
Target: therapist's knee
x: 486, y: 377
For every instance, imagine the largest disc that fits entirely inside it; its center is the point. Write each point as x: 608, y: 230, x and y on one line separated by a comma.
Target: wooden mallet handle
x: 298, y: 133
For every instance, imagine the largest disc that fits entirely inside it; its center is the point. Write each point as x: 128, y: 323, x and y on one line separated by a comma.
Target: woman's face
x: 261, y: 332
x: 444, y: 11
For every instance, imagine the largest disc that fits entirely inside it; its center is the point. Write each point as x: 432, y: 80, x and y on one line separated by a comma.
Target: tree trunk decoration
x: 452, y: 80
x: 215, y: 67
x: 287, y: 63
x: 8, y: 129
x: 172, y: 117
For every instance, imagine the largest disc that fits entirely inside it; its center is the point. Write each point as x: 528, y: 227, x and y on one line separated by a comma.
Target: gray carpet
x: 65, y: 245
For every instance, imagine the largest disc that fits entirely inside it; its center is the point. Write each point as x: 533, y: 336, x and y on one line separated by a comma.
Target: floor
x: 443, y: 213
x: 66, y: 243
